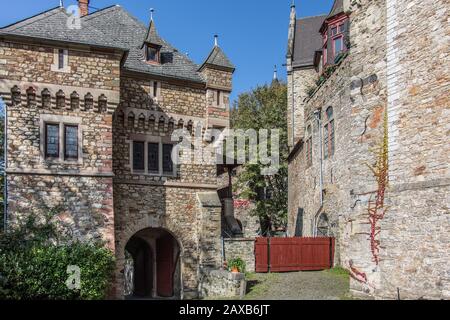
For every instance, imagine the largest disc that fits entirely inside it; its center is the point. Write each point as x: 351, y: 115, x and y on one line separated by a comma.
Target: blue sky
x: 253, y: 33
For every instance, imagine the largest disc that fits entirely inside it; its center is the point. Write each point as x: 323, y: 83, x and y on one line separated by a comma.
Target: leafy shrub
x: 34, y: 259
x: 237, y: 263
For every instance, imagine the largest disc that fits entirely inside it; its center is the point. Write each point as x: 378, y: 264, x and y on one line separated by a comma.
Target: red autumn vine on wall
x: 376, y: 205
x: 377, y: 209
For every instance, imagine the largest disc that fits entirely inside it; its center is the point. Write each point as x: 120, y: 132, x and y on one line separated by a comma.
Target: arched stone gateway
x: 152, y: 266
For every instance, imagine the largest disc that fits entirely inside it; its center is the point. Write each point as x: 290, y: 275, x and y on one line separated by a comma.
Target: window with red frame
x: 335, y: 35
x: 329, y: 133
x: 309, y: 146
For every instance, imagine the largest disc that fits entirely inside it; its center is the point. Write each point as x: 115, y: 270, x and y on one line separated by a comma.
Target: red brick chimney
x: 84, y: 9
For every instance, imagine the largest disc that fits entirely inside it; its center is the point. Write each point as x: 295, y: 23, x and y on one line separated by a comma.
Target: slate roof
x: 152, y: 35
x: 307, y: 40
x: 338, y: 7
x: 112, y: 27
x: 218, y: 58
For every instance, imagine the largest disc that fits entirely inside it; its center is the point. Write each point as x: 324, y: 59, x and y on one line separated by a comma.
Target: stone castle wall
x: 100, y: 196
x: 415, y: 233
x: 361, y: 91
x: 34, y: 94
x: 298, y: 83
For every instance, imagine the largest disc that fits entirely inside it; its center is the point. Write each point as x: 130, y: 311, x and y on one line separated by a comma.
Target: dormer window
x: 152, y: 53
x: 334, y: 33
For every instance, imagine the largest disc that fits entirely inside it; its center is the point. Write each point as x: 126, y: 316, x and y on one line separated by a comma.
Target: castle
x: 91, y: 107
x: 368, y: 110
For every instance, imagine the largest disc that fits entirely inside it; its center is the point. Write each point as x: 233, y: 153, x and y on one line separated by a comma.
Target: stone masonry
x: 115, y: 97
x: 390, y: 74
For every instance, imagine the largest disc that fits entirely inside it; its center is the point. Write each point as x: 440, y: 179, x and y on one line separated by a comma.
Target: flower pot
x: 234, y: 270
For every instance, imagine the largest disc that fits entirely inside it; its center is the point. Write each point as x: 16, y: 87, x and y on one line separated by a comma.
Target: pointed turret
x: 152, y: 36
x: 218, y: 59
x: 275, y: 76
x: 152, y: 43
x: 218, y: 71
x: 291, y: 37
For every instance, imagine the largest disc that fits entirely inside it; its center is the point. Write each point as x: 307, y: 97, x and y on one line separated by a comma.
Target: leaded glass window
x: 153, y: 157
x: 138, y: 156
x: 70, y: 142
x: 167, y: 158
x: 51, y: 140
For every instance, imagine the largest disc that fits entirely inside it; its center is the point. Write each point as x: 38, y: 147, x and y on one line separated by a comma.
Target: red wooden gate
x: 293, y: 254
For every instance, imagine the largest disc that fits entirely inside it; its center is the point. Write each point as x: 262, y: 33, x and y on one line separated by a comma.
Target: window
x: 218, y: 98
x: 51, y: 140
x: 155, y: 89
x: 333, y: 39
x: 334, y: 31
x: 329, y: 134
x: 61, y: 138
x: 167, y: 159
x: 70, y: 142
x: 152, y: 54
x: 138, y: 156
x: 151, y: 157
x: 59, y: 142
x: 338, y: 45
x: 60, y: 59
x: 308, y: 146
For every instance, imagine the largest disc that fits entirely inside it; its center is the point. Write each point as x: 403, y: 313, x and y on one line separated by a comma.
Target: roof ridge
x: 316, y: 16
x: 99, y: 12
x: 32, y: 17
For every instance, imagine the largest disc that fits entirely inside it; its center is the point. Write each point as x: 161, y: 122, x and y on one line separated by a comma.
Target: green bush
x: 34, y: 261
x: 237, y: 263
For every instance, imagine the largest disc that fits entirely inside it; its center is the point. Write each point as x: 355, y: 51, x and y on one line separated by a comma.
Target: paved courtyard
x: 312, y: 285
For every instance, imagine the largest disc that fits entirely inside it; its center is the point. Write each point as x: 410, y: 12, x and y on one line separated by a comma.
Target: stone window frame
x: 146, y: 139
x: 329, y: 128
x: 218, y: 97
x: 55, y: 66
x: 62, y: 121
x: 157, y: 97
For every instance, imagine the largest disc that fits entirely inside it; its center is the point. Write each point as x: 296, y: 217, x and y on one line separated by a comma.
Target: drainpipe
x: 317, y: 115
x: 293, y: 109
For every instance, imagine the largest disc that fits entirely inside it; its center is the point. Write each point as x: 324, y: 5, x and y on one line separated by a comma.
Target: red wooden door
x: 164, y: 266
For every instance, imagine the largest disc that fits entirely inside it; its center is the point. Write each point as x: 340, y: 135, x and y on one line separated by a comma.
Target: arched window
x: 309, y: 146
x: 323, y: 226
x: 329, y: 133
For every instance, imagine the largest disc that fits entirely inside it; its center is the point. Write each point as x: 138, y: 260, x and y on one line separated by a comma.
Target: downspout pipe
x: 293, y: 109
x: 317, y: 115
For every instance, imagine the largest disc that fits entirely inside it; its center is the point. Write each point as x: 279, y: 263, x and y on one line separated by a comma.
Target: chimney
x: 83, y: 5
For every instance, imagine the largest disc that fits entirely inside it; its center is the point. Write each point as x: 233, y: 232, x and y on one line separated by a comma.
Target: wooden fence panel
x: 293, y: 254
x: 261, y: 255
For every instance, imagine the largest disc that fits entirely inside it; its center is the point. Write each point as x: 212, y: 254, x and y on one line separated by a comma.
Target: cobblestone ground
x: 320, y: 285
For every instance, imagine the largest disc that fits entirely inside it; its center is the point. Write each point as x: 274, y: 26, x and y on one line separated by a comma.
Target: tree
x: 264, y: 108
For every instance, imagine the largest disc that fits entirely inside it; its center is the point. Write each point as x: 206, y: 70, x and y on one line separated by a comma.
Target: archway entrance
x: 152, y: 265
